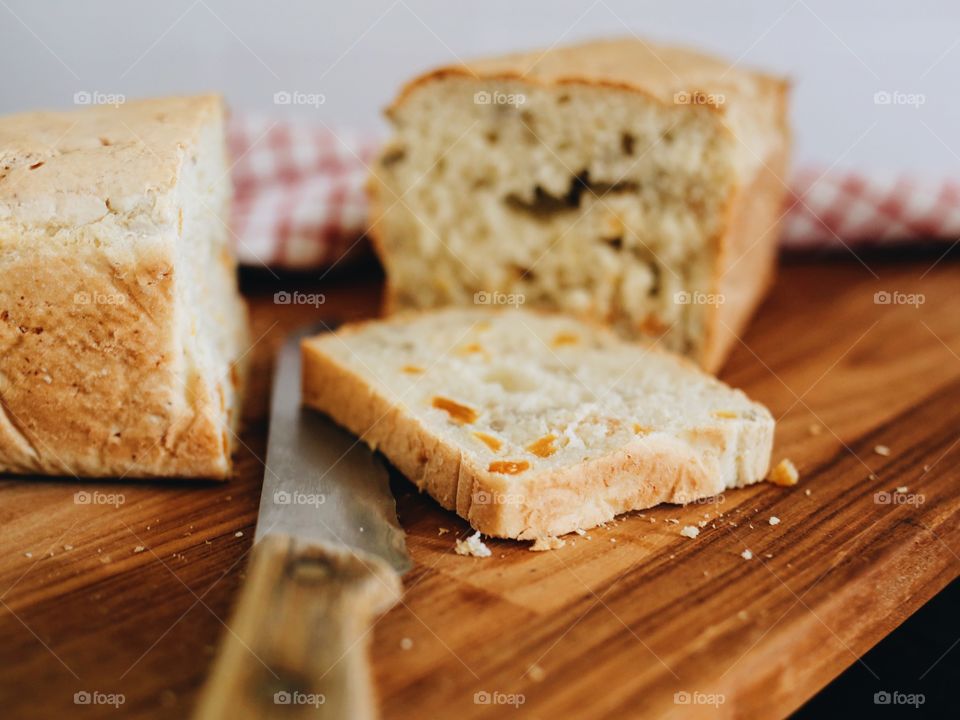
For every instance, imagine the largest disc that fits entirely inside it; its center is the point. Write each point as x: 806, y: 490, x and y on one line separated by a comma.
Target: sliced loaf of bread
x: 625, y: 182
x: 532, y: 425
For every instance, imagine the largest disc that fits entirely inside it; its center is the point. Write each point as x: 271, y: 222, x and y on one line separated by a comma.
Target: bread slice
x: 628, y: 183
x: 531, y: 425
x: 121, y: 326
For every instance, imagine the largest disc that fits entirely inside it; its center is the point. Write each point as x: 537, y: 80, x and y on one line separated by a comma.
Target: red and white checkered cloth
x: 300, y: 201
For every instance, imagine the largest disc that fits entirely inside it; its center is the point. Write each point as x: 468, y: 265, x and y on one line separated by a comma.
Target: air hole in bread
x: 393, y: 156
x: 545, y: 204
x: 627, y: 143
x: 523, y: 273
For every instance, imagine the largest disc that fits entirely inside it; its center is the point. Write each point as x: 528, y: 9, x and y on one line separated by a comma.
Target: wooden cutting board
x: 128, y: 596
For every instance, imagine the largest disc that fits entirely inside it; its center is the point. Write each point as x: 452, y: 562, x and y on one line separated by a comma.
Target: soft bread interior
x: 584, y: 199
x: 211, y: 321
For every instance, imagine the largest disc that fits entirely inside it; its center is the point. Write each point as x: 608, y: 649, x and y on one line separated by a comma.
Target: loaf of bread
x: 531, y: 425
x: 628, y: 183
x: 121, y: 326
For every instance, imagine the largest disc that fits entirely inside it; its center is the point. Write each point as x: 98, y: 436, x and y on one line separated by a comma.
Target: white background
x: 357, y: 54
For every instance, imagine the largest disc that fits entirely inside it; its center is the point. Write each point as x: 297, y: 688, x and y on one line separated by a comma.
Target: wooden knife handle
x: 297, y: 644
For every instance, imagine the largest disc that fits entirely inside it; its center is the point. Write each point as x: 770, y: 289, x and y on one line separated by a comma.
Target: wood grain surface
x: 122, y: 592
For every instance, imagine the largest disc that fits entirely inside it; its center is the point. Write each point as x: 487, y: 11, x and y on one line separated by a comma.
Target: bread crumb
x: 653, y: 520
x: 473, y: 545
x: 768, y: 556
x: 807, y: 492
x: 815, y: 428
x: 882, y: 450
x: 690, y: 531
x: 743, y: 615
x: 784, y: 474
x: 536, y: 673
x: 441, y: 531
x: 28, y: 554
x: 139, y: 549
x: 238, y: 533
x: 613, y: 540
x: 902, y: 489
x: 673, y: 520
x: 548, y: 543
x: 702, y: 523
x: 746, y: 555
x: 926, y: 468
x: 68, y: 548
x: 406, y: 644
x: 774, y: 520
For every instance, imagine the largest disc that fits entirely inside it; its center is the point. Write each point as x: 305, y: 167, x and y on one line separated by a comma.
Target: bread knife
x: 327, y: 558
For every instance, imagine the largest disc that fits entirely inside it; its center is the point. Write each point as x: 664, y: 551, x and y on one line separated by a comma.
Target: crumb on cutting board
x: 746, y: 555
x: 774, y: 520
x: 473, y: 545
x: 882, y: 450
x: 547, y: 543
x: 784, y: 474
x: 690, y: 531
